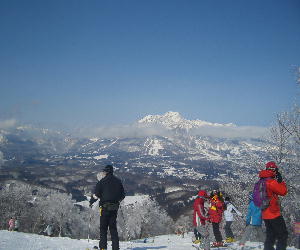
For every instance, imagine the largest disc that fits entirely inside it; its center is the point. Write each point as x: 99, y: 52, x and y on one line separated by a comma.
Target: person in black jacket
x: 110, y: 191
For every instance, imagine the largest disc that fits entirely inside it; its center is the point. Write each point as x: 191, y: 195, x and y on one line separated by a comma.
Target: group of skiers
x: 210, y: 209
x: 263, y: 205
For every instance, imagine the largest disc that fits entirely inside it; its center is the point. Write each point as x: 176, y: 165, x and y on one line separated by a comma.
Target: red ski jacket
x: 274, y: 188
x: 199, y: 215
x: 216, y: 210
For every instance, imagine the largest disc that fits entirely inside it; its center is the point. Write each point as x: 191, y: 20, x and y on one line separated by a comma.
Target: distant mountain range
x: 167, y: 145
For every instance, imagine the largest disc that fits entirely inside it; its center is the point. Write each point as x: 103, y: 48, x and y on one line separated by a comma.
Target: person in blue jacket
x: 253, y: 231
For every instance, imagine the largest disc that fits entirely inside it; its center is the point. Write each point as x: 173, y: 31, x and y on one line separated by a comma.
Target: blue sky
x: 97, y: 62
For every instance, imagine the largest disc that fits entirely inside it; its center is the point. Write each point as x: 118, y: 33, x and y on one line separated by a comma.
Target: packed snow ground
x: 25, y: 241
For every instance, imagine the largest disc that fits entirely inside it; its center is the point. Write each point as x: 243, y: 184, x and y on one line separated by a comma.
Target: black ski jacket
x: 109, y: 190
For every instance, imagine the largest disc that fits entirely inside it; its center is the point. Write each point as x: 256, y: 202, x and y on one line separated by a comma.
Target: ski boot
x: 230, y: 240
x: 197, y: 241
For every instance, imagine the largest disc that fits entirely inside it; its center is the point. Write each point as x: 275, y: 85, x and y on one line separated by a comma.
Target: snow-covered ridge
x: 173, y: 120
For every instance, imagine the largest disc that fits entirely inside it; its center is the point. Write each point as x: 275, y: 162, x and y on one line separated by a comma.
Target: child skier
x: 253, y: 223
x: 229, y: 217
x: 215, y: 215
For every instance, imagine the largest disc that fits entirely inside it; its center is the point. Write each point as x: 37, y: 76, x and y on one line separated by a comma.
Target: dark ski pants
x: 228, y: 230
x: 276, y: 230
x: 217, y: 232
x: 108, y: 219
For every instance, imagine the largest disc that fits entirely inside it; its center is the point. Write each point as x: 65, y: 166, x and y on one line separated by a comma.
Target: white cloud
x: 123, y: 131
x: 232, y: 131
x: 137, y: 131
x: 6, y: 124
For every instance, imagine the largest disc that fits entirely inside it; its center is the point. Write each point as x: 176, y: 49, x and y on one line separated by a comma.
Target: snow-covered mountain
x: 173, y: 120
x: 179, y: 152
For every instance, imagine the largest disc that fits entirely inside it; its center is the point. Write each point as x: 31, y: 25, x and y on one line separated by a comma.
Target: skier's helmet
x: 202, y: 193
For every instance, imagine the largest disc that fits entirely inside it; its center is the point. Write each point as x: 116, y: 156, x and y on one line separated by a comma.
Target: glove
x: 278, y: 177
x: 92, y: 200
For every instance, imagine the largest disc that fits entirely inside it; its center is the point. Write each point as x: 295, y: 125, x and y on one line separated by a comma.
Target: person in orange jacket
x: 215, y: 213
x: 276, y: 231
x: 199, y: 220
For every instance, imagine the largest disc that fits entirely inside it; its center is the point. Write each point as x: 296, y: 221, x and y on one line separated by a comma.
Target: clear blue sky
x: 112, y: 62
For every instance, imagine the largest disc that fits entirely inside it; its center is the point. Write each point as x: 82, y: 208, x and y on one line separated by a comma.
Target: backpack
x: 260, y: 197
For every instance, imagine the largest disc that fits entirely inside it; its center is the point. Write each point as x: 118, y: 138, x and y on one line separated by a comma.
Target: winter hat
x: 108, y: 169
x: 202, y: 193
x: 271, y: 165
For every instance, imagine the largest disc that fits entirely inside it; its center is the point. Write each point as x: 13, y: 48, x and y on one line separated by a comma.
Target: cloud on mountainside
x: 7, y: 124
x: 231, y: 131
x: 123, y: 131
x: 137, y: 131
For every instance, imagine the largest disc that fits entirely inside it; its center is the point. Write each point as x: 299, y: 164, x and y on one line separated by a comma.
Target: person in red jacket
x: 199, y: 220
x: 276, y: 231
x: 215, y: 213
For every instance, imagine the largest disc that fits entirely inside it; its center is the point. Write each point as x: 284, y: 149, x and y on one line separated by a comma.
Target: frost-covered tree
x: 56, y: 208
x: 36, y: 207
x: 143, y: 219
x: 14, y: 202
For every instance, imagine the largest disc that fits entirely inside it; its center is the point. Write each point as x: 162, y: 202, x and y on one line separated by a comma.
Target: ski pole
x: 90, y: 219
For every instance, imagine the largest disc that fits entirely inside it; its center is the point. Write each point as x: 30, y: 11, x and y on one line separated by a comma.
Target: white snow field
x: 26, y: 241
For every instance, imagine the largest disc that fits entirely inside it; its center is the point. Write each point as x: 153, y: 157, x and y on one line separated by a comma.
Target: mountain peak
x: 175, y: 116
x: 169, y: 116
x: 173, y: 120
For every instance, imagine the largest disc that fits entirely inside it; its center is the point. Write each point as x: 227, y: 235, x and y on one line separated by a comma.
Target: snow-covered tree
x: 143, y: 219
